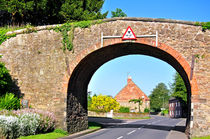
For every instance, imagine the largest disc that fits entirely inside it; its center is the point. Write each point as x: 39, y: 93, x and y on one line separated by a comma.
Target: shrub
x: 25, y: 122
x: 5, y: 79
x: 9, y: 102
x: 29, y: 123
x: 164, y: 112
x: 104, y: 103
x: 124, y: 109
x: 47, y: 119
x: 146, y: 110
x: 9, y: 126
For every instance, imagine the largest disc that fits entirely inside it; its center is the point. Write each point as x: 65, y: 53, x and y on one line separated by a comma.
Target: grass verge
x: 207, y: 137
x: 147, y: 117
x: 57, y: 133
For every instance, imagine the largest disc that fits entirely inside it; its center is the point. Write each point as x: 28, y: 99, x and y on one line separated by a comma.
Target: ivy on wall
x: 205, y: 25
x: 67, y: 31
x: 4, y: 30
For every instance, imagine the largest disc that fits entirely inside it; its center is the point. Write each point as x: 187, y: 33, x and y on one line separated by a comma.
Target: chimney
x: 129, y: 80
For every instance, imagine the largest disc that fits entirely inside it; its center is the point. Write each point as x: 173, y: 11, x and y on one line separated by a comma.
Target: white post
x: 191, y: 118
x: 156, y: 38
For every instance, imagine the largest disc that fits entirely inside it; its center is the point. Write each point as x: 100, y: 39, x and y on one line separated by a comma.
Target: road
x: 155, y: 128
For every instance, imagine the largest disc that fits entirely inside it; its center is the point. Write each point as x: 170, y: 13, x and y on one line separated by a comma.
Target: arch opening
x: 77, y: 119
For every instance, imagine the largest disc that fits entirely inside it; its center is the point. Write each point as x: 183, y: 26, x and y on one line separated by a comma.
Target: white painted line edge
x: 131, y: 132
x: 120, y: 137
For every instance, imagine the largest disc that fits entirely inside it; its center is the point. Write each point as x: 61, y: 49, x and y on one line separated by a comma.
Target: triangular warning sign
x: 129, y: 34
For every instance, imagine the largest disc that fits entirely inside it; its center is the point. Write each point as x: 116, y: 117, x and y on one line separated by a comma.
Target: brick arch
x: 150, y: 42
x: 90, y: 59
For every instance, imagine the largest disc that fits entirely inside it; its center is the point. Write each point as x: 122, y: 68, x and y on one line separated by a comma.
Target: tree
x: 118, y: 13
x: 139, y: 101
x: 51, y: 11
x: 17, y: 8
x: 104, y: 103
x: 89, y: 99
x: 178, y: 88
x: 82, y: 10
x: 5, y: 80
x: 159, y: 97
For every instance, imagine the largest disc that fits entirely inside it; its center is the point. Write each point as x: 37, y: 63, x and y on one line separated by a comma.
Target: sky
x: 145, y: 71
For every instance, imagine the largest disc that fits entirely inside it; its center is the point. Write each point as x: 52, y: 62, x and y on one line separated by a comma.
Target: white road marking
x: 131, y: 132
x: 139, y: 128
x: 120, y: 137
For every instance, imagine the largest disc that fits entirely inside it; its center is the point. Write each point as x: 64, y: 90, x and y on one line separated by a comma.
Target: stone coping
x: 150, y: 20
x: 47, y: 27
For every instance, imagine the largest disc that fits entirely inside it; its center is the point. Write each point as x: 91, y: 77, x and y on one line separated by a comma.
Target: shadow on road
x: 118, y: 123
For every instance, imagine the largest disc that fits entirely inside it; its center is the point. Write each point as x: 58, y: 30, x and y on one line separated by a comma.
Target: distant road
x: 155, y: 128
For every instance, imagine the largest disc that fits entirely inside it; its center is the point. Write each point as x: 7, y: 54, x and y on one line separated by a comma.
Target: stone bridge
x: 54, y: 80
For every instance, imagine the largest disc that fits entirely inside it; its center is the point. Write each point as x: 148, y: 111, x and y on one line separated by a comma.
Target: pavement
x: 157, y: 127
x: 179, y: 131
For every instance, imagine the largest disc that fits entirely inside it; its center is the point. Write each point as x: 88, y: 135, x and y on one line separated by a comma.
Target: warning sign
x: 129, y: 34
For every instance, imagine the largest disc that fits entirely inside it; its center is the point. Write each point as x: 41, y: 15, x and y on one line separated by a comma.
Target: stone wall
x: 43, y: 70
x: 116, y: 114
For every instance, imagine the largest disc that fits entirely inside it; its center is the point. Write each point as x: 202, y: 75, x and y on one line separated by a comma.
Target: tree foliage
x: 159, y: 97
x: 178, y: 88
x: 51, y: 12
x: 5, y: 80
x: 104, y: 103
x: 118, y: 13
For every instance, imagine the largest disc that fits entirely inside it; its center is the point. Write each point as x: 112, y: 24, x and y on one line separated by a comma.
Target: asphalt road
x: 155, y: 128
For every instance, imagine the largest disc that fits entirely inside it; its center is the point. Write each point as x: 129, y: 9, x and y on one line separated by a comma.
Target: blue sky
x: 145, y: 71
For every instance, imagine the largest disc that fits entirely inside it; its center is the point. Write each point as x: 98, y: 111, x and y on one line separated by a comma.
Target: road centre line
x: 131, y: 132
x: 120, y: 137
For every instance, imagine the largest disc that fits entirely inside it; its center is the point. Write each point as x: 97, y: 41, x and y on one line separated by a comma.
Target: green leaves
x: 67, y: 31
x: 205, y: 25
x: 118, y: 13
x: 178, y: 88
x: 5, y: 80
x: 159, y: 97
x: 104, y: 103
x: 9, y: 102
x: 52, y: 12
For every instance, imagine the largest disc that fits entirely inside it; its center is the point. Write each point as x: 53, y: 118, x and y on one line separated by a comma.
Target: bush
x: 124, y: 109
x: 25, y: 122
x: 164, y: 112
x: 104, y: 103
x: 5, y: 79
x: 9, y: 126
x: 9, y: 102
x: 146, y: 110
x: 47, y: 119
x: 29, y: 123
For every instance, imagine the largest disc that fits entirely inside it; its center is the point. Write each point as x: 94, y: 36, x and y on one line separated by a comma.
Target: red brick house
x: 132, y: 91
x: 175, y: 108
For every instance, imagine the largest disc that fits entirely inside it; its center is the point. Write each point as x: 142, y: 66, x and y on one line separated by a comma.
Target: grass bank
x: 58, y: 133
x: 207, y: 137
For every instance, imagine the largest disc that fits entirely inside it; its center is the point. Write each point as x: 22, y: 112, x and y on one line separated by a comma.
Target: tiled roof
x: 130, y: 91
